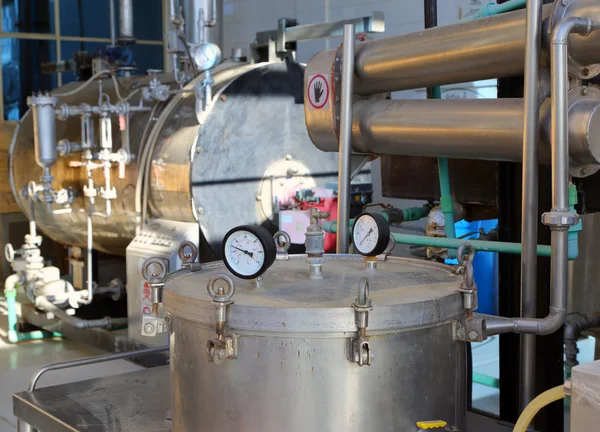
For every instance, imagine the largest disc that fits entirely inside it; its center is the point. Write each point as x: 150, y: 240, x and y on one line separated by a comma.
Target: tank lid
x: 404, y: 293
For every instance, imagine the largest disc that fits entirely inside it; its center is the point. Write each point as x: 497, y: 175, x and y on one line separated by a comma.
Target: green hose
x: 14, y: 335
x: 491, y: 9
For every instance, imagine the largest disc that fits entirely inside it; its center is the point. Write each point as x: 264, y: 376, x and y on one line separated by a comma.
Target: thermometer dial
x: 371, y: 234
x: 206, y: 56
x: 248, y: 251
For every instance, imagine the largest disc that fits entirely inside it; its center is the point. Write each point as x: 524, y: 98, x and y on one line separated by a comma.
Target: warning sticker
x: 318, y: 91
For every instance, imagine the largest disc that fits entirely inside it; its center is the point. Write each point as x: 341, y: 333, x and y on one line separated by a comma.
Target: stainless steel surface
x: 126, y: 20
x: 44, y: 129
x: 132, y: 402
x: 293, y: 339
x: 472, y: 129
x: 345, y: 141
x: 585, y: 397
x: 529, y: 203
x: 191, y: 166
x: 92, y: 360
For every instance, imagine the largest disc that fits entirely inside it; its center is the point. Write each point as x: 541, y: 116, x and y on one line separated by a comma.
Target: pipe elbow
x: 561, y: 32
x: 553, y: 322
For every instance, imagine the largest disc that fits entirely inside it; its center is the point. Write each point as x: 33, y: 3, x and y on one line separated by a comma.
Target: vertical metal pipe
x: 430, y: 15
x: 113, y: 31
x: 529, y: 203
x: 126, y: 20
x: 89, y: 265
x: 345, y: 145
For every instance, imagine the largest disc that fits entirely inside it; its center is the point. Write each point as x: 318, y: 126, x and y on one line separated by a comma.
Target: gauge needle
x: 250, y: 254
x: 365, y: 237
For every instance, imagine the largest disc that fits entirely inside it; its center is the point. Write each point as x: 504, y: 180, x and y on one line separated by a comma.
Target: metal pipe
x: 560, y: 199
x: 45, y: 305
x: 466, y: 129
x: 345, y: 141
x: 113, y: 30
x: 126, y: 21
x: 529, y: 200
x: 92, y: 360
x: 468, y: 51
x: 89, y: 261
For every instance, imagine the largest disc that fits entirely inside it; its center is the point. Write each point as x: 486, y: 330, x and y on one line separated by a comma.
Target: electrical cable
x: 121, y: 98
x: 82, y: 86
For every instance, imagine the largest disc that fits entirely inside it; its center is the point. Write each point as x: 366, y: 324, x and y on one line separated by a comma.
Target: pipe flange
x: 42, y: 100
x: 576, y: 8
x: 560, y: 219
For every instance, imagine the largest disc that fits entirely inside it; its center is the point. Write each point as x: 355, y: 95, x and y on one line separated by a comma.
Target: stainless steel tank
x: 222, y: 167
x: 292, y: 372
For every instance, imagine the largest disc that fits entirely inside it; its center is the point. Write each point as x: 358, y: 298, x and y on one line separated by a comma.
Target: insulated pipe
x: 345, y: 143
x: 560, y: 198
x: 126, y: 22
x: 485, y: 48
x: 489, y: 129
x: 529, y: 200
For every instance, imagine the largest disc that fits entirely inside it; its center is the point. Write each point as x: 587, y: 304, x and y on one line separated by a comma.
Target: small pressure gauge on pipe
x: 206, y: 56
x: 248, y: 251
x: 371, y: 234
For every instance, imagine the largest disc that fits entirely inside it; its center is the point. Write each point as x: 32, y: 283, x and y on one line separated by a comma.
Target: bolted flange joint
x: 560, y: 220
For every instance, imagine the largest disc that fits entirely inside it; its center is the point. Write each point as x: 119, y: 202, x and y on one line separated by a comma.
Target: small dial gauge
x: 248, y: 251
x: 371, y: 234
x: 206, y: 56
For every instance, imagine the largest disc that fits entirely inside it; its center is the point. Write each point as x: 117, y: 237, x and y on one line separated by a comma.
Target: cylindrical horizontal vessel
x: 293, y: 370
x: 489, y: 129
x: 474, y: 50
x: 221, y: 167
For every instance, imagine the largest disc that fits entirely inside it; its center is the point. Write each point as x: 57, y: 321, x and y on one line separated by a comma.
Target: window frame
x: 58, y: 38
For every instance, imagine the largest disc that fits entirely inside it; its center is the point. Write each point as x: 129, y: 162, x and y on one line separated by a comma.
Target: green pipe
x: 15, y: 336
x: 479, y: 245
x: 446, y: 202
x: 491, y: 9
x: 573, y: 236
x: 486, y: 380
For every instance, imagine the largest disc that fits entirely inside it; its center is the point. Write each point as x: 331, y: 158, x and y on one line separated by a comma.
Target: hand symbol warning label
x: 318, y: 91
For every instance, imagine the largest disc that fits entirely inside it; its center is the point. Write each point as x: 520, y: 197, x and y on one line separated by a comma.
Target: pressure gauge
x: 206, y: 56
x: 248, y: 251
x: 371, y: 234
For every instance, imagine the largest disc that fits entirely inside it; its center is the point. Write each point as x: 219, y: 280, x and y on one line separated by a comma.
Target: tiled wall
x: 243, y: 18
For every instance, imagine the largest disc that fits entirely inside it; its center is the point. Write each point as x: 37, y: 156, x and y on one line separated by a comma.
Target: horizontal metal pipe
x: 489, y: 129
x: 467, y: 51
x: 492, y: 47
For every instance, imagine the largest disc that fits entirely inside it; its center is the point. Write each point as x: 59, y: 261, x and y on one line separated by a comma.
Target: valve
x: 315, y: 243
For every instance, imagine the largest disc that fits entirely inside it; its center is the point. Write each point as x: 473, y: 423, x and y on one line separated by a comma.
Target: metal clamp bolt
x: 188, y: 254
x: 154, y: 271
x: 283, y: 242
x: 361, y: 347
x: 465, y: 255
x: 224, y: 346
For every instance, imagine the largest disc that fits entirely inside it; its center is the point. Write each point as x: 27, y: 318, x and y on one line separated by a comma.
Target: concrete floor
x: 19, y: 362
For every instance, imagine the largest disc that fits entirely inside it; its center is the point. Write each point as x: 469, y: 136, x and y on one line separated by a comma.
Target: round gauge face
x: 206, y: 56
x: 371, y: 234
x: 248, y: 251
